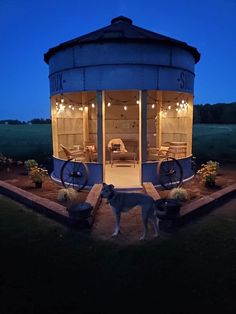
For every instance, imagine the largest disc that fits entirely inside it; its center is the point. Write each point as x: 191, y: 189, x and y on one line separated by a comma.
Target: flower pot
x: 38, y: 185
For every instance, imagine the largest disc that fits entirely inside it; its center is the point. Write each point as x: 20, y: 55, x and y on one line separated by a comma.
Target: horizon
x: 24, y: 80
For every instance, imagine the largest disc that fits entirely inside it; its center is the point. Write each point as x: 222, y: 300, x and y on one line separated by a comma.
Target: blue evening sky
x: 28, y: 28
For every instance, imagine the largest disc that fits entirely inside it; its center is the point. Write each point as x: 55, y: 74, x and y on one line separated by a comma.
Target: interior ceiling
x: 121, y: 97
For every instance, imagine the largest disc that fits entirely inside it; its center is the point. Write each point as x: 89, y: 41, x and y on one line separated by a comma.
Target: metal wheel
x: 74, y: 174
x: 170, y: 173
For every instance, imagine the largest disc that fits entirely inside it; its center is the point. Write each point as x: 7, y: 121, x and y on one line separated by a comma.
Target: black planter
x: 167, y: 209
x: 38, y: 185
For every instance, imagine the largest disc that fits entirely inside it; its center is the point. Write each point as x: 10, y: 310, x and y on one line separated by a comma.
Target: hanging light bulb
x: 108, y: 104
x: 62, y: 100
x: 153, y: 106
x: 93, y: 105
x: 57, y: 103
x: 177, y: 104
x: 169, y: 107
x: 73, y: 108
x: 70, y: 106
x: 182, y: 101
x: 137, y: 102
x: 125, y: 107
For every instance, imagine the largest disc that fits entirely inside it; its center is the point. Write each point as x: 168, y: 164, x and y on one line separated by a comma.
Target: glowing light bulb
x: 109, y: 104
x: 125, y: 107
x: 93, y: 105
x: 62, y: 100
x: 70, y: 106
x: 169, y: 107
x: 137, y: 102
x: 153, y: 106
x: 177, y: 104
x: 57, y: 103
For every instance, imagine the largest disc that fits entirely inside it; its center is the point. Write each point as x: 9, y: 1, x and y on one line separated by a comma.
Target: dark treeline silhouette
x: 217, y: 113
x: 33, y: 121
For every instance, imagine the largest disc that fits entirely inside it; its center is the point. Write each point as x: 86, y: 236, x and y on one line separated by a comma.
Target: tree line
x: 217, y: 113
x: 33, y: 121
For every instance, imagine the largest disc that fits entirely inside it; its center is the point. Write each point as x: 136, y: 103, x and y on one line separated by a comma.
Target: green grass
x: 214, y: 141
x: 26, y: 141
x: 46, y: 268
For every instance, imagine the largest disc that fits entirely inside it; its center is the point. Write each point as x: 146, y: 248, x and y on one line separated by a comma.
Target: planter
x: 167, y: 209
x: 38, y: 185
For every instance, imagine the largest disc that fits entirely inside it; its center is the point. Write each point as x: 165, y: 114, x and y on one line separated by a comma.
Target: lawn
x: 215, y: 141
x: 47, y: 268
x: 26, y: 141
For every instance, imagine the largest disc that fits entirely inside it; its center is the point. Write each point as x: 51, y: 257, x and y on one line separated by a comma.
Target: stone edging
x: 60, y: 213
x: 39, y: 204
x: 206, y: 203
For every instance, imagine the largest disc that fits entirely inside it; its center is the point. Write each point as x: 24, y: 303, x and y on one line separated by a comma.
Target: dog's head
x: 107, y: 190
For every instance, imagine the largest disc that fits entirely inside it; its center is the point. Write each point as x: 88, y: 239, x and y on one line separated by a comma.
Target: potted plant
x: 37, y: 175
x: 208, y: 172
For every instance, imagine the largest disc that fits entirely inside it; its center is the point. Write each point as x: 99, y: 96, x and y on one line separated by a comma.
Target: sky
x: 28, y: 28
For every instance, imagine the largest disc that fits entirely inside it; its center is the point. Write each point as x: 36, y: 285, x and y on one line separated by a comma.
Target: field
x: 210, y: 141
x: 26, y: 141
x: 215, y: 141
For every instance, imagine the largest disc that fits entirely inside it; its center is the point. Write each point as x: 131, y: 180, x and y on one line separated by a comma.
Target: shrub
x: 31, y: 163
x: 68, y: 194
x: 208, y: 172
x: 179, y: 194
x: 5, y: 162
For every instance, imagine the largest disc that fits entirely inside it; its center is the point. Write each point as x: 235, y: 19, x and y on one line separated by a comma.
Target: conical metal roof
x: 122, y: 29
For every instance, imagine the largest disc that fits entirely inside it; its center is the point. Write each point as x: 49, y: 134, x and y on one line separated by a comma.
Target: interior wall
x: 74, y: 121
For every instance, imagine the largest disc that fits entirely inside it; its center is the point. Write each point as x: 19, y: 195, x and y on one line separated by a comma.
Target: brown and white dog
x: 123, y: 202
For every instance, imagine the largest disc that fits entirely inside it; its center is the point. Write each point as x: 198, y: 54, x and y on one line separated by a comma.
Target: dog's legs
x: 155, y: 222
x: 117, y: 227
x: 145, y: 224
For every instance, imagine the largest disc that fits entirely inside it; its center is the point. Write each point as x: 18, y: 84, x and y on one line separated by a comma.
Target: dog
x: 122, y: 202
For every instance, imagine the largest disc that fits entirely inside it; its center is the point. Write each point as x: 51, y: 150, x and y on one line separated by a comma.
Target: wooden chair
x: 76, y: 154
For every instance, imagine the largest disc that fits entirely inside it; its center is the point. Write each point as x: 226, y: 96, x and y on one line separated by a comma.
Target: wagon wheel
x: 74, y: 174
x: 170, y: 173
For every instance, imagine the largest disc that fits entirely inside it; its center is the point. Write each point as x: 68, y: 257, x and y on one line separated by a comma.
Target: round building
x: 121, y: 103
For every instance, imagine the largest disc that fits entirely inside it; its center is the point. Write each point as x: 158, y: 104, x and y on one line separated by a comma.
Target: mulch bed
x: 131, y: 225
